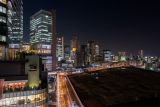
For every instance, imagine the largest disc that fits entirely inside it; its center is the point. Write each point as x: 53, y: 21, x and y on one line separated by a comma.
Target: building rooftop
x: 41, y: 12
x: 127, y: 87
x: 13, y: 77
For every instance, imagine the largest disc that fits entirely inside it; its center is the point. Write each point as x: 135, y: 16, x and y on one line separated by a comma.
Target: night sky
x: 117, y: 25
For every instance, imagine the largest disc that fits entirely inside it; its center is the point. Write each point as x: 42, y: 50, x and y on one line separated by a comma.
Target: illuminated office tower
x: 107, y: 56
x: 141, y: 53
x: 74, y: 48
x: 3, y: 28
x: 41, y: 31
x: 74, y: 42
x: 67, y: 52
x: 43, y: 37
x: 122, y: 56
x: 60, y: 48
x: 15, y: 23
x: 92, y: 51
x: 97, y: 50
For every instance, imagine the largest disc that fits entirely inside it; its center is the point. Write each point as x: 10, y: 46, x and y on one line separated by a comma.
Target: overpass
x: 66, y: 94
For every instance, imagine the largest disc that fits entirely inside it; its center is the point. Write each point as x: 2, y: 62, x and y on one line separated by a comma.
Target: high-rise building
x: 83, y: 55
x: 60, y: 48
x: 74, y: 48
x: 91, y: 51
x: 97, y: 50
x: 107, y: 56
x: 141, y: 54
x: 66, y: 52
x: 122, y: 56
x: 74, y: 43
x: 43, y: 37
x: 41, y: 31
x: 15, y: 23
x: 11, y: 27
x: 3, y: 28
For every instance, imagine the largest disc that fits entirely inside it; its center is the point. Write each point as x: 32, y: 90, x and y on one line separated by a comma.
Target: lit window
x: 2, y: 19
x: 0, y: 8
x: 3, y: 9
x: 2, y: 38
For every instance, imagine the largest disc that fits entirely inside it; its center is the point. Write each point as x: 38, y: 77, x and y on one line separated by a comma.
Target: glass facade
x: 107, y: 55
x: 15, y: 21
x: 60, y: 48
x: 40, y: 28
x: 3, y: 18
x: 3, y: 28
x: 2, y: 9
x: 32, y: 98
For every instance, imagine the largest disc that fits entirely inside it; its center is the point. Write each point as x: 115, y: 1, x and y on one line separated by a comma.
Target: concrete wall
x: 12, y: 68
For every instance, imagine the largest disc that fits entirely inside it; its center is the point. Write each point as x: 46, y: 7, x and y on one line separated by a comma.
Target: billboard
x: 1, y: 88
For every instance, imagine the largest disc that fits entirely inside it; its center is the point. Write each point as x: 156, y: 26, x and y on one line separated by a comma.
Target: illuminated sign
x: 3, y: 1
x: 74, y: 49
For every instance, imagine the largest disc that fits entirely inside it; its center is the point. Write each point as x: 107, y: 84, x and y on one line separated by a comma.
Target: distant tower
x: 107, y: 56
x: 74, y: 46
x: 97, y: 50
x: 141, y: 53
x: 54, y: 40
x: 60, y: 48
x: 92, y: 51
x: 74, y: 42
x: 67, y: 52
x: 83, y: 53
x: 122, y: 56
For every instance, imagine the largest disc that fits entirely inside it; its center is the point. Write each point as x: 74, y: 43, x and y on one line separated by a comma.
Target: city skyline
x: 79, y: 53
x: 116, y: 25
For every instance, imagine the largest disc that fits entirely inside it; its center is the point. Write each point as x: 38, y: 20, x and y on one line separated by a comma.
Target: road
x: 64, y: 98
x: 65, y: 95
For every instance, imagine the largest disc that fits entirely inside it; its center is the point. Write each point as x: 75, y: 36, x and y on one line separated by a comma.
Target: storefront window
x: 28, y: 99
